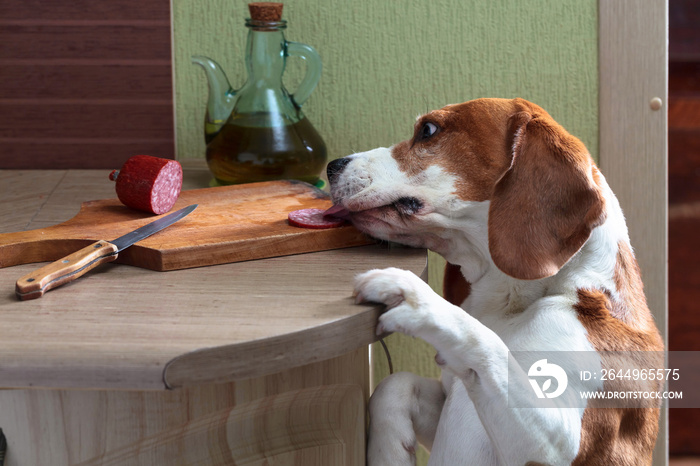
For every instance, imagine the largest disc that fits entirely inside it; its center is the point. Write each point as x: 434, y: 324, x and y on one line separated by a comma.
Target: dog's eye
x: 427, y: 130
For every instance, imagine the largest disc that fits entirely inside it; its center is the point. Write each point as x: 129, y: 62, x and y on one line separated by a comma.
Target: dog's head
x: 497, y: 169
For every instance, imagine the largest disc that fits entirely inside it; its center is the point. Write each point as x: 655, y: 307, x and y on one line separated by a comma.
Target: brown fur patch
x: 607, y: 332
x: 631, y: 304
x: 620, y: 436
x: 455, y: 288
x: 471, y: 144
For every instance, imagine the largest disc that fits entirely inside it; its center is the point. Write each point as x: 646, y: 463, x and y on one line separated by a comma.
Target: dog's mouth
x: 383, y: 221
x: 405, y: 206
x: 338, y: 211
x: 403, y: 220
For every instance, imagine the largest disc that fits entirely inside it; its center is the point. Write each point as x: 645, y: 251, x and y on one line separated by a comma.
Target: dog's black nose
x: 336, y: 167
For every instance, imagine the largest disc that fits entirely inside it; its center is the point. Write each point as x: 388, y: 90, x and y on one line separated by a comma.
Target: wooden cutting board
x: 231, y: 224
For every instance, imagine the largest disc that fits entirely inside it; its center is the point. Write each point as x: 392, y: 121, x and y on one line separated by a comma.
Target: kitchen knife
x: 35, y: 284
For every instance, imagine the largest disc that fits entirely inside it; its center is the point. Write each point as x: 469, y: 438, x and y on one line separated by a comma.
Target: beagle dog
x: 539, y: 259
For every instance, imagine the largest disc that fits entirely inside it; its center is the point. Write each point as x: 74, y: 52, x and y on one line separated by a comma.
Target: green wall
x: 385, y: 62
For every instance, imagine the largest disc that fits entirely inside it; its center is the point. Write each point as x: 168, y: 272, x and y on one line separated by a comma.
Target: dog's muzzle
x: 335, y: 168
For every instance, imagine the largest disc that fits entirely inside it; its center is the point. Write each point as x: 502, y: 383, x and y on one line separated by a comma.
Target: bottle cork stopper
x: 265, y: 11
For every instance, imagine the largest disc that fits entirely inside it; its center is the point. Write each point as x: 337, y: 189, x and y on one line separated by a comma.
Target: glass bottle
x: 259, y: 133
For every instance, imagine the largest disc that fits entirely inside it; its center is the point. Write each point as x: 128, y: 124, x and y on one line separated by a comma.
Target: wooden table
x: 256, y: 362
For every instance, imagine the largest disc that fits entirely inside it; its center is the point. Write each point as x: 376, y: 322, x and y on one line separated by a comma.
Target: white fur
x: 469, y: 422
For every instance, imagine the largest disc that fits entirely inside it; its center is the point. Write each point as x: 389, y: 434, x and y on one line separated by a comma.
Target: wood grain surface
x: 84, y: 84
x: 321, y: 425
x: 61, y: 427
x: 231, y: 224
x: 633, y: 142
x: 121, y: 326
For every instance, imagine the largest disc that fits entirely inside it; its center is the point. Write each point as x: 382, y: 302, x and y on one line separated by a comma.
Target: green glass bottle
x: 258, y: 132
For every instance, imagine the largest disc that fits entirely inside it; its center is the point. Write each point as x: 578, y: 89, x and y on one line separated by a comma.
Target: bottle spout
x: 222, y: 96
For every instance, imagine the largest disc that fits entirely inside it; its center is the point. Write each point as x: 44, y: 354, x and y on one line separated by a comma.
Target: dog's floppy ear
x: 544, y: 207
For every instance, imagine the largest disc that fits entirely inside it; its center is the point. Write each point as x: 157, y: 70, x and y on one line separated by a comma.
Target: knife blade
x: 65, y: 270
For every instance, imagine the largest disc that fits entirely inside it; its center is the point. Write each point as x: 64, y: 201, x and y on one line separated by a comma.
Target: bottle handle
x: 313, y: 70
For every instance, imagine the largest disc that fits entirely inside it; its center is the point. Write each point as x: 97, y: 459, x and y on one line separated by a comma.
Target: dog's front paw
x: 390, y: 286
x: 406, y: 296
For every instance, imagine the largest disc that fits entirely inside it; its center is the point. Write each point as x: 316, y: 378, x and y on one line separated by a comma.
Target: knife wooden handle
x: 35, y: 284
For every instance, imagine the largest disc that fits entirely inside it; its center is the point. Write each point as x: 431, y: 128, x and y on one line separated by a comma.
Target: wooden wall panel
x: 59, y: 40
x: 684, y: 200
x: 684, y: 17
x: 83, y: 118
x: 683, y: 167
x: 121, y: 82
x: 84, y: 9
x: 84, y: 84
x: 59, y: 153
x: 683, y: 77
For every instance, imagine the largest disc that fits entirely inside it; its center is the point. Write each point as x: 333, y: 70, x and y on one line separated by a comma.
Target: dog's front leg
x: 477, y: 356
x: 404, y: 411
x: 414, y: 309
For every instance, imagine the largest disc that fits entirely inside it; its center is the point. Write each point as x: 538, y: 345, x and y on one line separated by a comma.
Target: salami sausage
x: 148, y: 183
x: 313, y: 218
